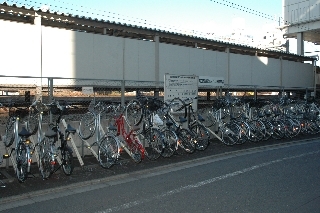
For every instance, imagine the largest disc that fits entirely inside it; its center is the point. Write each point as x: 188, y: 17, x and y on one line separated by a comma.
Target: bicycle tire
x: 22, y: 164
x: 244, y: 132
x: 67, y: 160
x: 108, y: 151
x: 155, y: 140
x: 269, y: 130
x: 169, y: 143
x: 201, y: 135
x: 296, y: 127
x: 312, y: 128
x: 230, y: 134
x: 33, y: 122
x: 134, y: 113
x: 9, y: 132
x: 257, y: 130
x: 278, y: 130
x: 186, y: 140
x: 137, y: 151
x: 208, y: 116
x: 44, y: 156
x: 87, y: 126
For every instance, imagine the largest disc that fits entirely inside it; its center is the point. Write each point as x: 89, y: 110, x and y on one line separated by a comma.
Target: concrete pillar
x: 228, y: 65
x: 37, y: 23
x: 123, y: 74
x: 300, y: 44
x: 156, y: 65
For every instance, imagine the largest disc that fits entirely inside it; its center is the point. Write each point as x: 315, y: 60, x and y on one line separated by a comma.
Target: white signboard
x: 182, y: 86
x: 208, y: 81
x: 87, y: 90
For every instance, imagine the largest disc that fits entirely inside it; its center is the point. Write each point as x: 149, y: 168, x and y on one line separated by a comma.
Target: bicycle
x: 128, y: 140
x: 185, y: 138
x: 153, y: 137
x: 90, y: 121
x: 49, y: 153
x: 23, y: 148
x: 195, y: 124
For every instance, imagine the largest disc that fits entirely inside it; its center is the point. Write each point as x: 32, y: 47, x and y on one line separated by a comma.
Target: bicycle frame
x: 130, y: 137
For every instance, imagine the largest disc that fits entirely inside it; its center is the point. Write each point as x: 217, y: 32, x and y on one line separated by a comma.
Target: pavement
x: 92, y: 172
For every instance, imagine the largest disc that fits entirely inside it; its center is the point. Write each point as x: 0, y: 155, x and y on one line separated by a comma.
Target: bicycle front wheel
x: 134, y: 113
x: 22, y: 164
x: 67, y: 161
x: 108, y: 151
x: 154, y: 144
x: 208, y: 115
x: 87, y: 126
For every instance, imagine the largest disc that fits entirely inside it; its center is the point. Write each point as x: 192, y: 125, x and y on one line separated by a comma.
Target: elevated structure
x: 302, y: 21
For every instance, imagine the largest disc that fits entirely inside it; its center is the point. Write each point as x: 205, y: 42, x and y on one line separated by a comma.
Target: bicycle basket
x: 19, y: 112
x: 154, y: 104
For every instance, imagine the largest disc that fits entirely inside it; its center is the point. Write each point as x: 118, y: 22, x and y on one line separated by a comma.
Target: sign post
x: 182, y: 86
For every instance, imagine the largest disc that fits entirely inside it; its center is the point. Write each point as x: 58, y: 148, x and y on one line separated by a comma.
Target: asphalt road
x: 274, y: 176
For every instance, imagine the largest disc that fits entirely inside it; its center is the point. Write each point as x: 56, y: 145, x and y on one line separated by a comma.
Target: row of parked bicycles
x: 147, y: 128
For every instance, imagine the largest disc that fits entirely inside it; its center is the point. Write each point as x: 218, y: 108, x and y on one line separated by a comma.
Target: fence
x: 22, y: 91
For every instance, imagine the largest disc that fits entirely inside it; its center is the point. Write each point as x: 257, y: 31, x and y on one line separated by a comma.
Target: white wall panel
x: 297, y: 74
x: 113, y: 56
x: 131, y: 59
x: 58, y: 53
x: 240, y: 70
x: 139, y: 60
x: 209, y: 63
x: 266, y: 71
x: 196, y: 61
x: 83, y: 55
x: 173, y: 59
x: 221, y: 65
x: 108, y: 57
x: 20, y: 49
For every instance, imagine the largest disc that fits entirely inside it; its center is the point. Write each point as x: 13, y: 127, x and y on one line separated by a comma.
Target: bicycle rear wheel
x: 278, y: 130
x: 33, y: 122
x: 201, y: 135
x: 170, y: 142
x: 230, y: 134
x: 45, y: 159
x: 137, y: 151
x: 87, y: 126
x: 108, y: 151
x: 22, y: 164
x: 9, y: 132
x: 155, y: 140
x: 257, y: 130
x: 186, y: 140
x: 67, y: 160
x: 134, y: 113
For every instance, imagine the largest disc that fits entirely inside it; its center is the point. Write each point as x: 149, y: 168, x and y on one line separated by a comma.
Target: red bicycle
x: 128, y: 139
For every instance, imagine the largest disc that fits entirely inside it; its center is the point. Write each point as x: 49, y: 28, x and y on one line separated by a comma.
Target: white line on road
x: 201, y: 183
